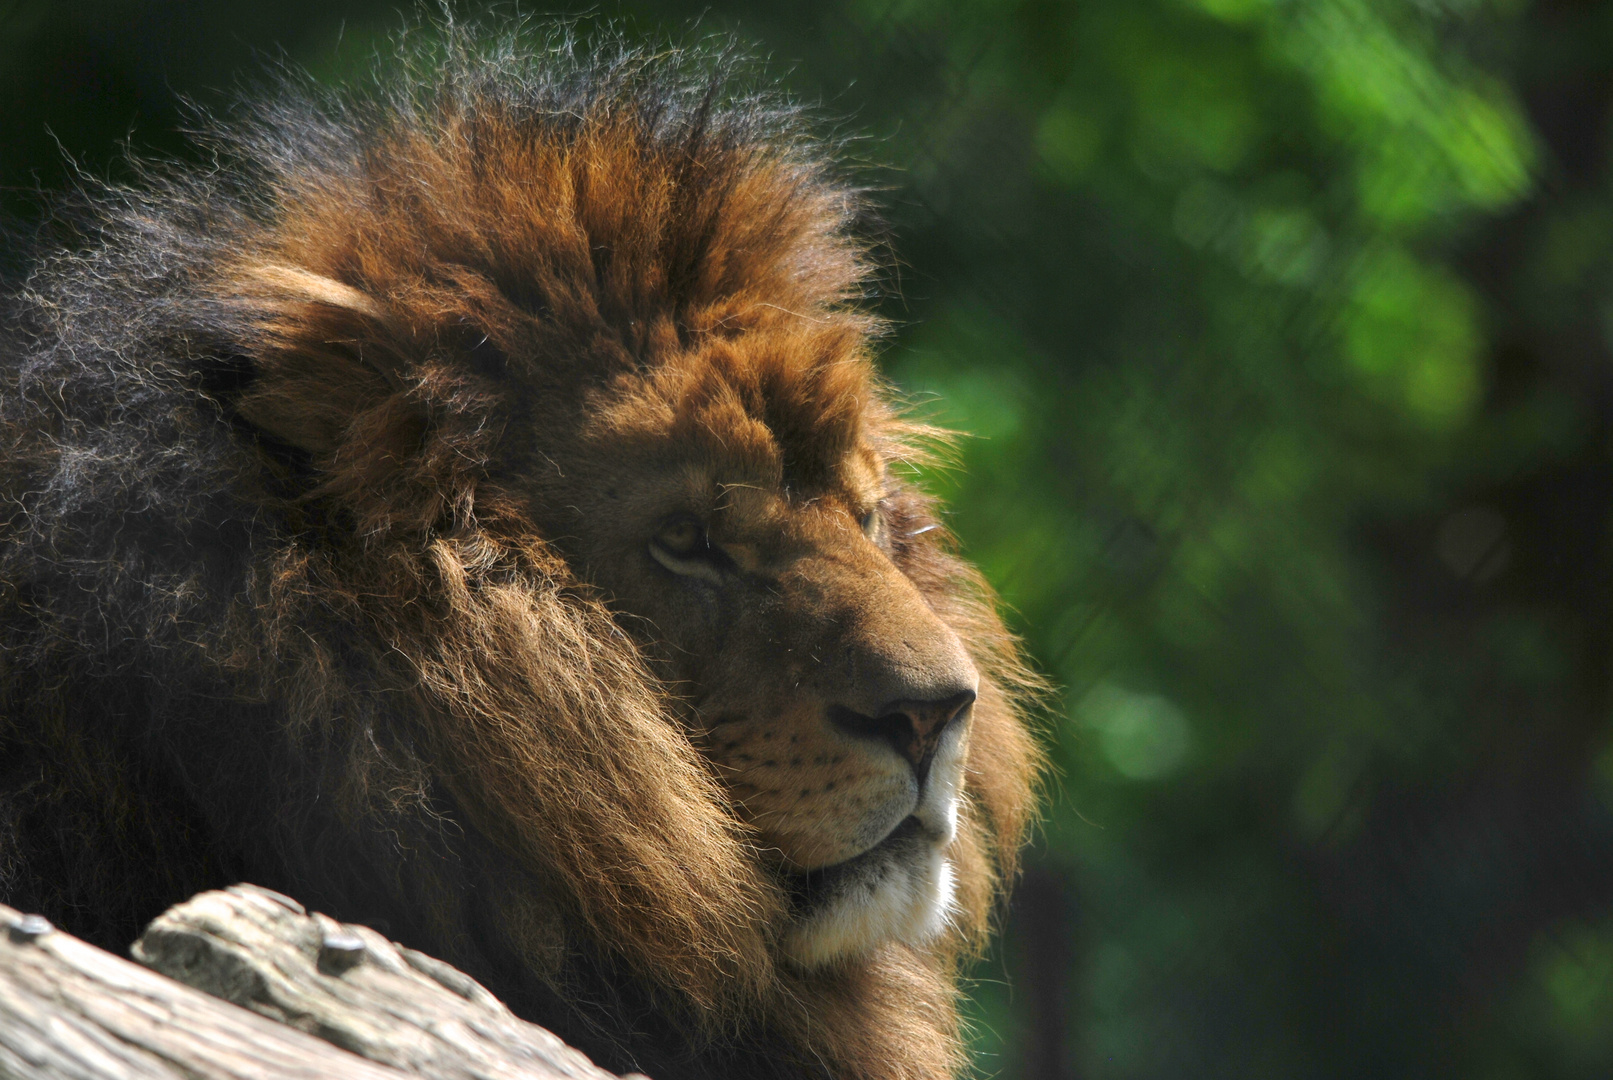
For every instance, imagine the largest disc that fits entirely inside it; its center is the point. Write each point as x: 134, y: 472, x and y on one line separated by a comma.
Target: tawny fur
x: 287, y: 588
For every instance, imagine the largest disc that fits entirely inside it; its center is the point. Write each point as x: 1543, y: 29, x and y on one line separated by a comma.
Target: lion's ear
x: 324, y: 355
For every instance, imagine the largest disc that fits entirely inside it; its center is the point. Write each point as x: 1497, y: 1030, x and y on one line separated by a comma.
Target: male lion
x: 468, y: 506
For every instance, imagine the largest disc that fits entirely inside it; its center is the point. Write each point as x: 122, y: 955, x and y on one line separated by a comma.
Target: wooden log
x: 69, y: 1011
x: 303, y: 996
x: 353, y: 987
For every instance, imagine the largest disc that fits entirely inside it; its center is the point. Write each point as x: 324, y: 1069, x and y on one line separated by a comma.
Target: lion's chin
x: 900, y: 890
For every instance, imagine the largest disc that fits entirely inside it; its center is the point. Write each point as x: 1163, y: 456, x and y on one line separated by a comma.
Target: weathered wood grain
x: 350, y: 985
x: 69, y: 1011
x: 246, y: 985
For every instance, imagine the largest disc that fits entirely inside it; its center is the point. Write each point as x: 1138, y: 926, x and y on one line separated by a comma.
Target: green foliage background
x: 1282, y: 329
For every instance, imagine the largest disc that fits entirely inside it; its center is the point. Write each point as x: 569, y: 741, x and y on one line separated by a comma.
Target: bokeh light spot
x: 1144, y: 736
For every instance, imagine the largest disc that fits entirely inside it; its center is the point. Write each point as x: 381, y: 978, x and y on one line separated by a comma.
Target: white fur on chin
x: 907, y: 900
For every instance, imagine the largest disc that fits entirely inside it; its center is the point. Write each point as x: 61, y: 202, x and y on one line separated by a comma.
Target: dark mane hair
x: 272, y: 603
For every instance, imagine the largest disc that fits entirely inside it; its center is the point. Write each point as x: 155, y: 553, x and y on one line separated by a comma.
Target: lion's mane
x: 271, y: 606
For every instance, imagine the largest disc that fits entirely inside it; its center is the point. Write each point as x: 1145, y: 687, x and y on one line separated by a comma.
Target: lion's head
x: 738, y: 501
x: 581, y: 583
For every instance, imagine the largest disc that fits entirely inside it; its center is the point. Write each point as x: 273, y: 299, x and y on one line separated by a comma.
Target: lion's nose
x: 913, y: 728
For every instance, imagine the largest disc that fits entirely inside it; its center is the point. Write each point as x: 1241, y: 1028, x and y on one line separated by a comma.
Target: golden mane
x: 374, y: 294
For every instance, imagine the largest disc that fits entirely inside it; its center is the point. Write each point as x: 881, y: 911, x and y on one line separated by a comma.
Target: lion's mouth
x: 810, y: 889
x: 900, y: 889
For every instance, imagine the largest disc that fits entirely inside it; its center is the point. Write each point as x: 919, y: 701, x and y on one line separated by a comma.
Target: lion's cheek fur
x: 510, y: 720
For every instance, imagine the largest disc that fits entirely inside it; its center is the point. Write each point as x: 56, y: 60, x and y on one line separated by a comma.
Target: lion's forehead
x: 767, y: 407
x: 741, y: 477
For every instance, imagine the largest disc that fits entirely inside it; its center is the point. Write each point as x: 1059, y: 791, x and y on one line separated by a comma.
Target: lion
x: 469, y: 505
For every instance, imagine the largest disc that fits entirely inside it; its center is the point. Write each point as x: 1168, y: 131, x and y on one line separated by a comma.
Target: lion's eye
x: 684, y: 537
x: 682, y: 546
x: 870, y: 523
